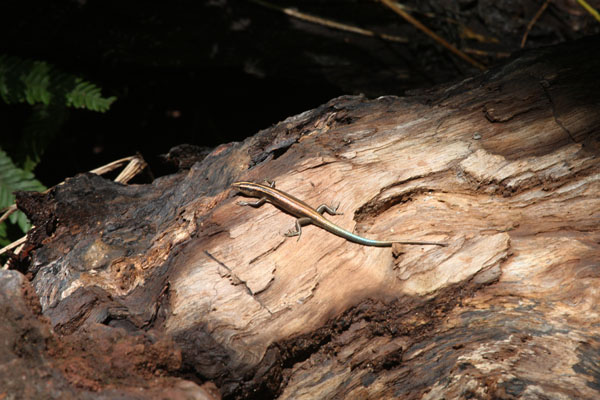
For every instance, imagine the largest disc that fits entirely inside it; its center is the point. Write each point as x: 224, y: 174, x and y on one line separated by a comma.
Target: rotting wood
x: 503, y: 167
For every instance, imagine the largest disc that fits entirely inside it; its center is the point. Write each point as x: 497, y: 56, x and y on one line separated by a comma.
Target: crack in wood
x: 545, y: 85
x: 235, y: 280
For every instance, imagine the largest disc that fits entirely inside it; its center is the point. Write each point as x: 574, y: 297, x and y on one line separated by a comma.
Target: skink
x: 308, y: 215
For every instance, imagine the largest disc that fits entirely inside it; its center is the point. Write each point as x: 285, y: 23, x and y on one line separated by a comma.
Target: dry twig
x: 398, y: 10
x: 329, y: 23
x: 531, y: 23
x: 589, y: 9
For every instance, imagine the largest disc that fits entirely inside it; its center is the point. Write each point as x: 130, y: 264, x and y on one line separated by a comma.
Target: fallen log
x: 502, y: 167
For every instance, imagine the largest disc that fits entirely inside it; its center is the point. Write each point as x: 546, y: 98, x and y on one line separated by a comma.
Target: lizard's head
x: 246, y: 188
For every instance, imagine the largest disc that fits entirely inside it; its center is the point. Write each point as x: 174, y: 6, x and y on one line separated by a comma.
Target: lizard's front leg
x: 256, y: 203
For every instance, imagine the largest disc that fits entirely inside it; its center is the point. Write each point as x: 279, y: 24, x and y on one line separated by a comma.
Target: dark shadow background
x: 210, y: 72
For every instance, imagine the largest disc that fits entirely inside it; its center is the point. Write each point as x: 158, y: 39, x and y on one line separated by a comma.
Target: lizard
x: 305, y: 214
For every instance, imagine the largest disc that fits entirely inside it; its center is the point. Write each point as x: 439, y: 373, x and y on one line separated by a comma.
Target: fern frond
x: 42, y: 125
x: 87, y: 95
x: 3, y: 236
x: 13, y: 179
x: 35, y: 82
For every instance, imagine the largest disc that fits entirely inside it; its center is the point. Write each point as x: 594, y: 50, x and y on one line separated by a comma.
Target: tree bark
x: 503, y: 167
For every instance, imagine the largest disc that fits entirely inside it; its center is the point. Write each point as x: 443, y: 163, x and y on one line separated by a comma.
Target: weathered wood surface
x: 503, y: 167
